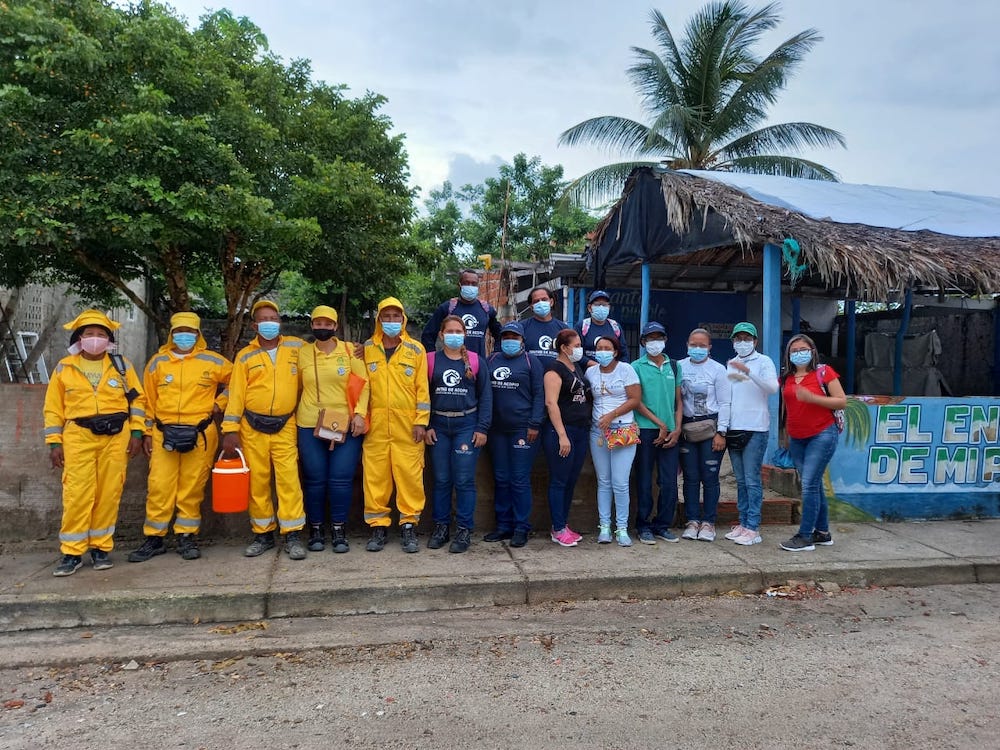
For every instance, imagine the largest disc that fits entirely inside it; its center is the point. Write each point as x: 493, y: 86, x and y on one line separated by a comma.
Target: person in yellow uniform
x: 400, y: 408
x: 260, y: 418
x: 185, y: 386
x: 329, y: 461
x: 94, y: 422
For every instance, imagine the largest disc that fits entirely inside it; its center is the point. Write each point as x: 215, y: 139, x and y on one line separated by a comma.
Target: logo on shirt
x: 113, y: 383
x: 545, y: 343
x: 501, y: 373
x: 372, y: 366
x: 168, y: 379
x: 341, y: 370
x: 470, y: 322
x: 451, y: 378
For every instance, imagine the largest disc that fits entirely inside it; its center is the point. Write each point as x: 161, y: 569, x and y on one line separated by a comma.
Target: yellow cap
x: 323, y: 311
x: 92, y: 318
x: 185, y: 320
x: 264, y: 303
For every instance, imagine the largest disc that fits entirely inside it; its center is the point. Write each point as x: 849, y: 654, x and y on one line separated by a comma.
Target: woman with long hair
x: 461, y: 413
x: 810, y: 393
x: 565, y: 436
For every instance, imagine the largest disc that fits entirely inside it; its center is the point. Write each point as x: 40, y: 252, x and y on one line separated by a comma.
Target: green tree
x: 707, y: 98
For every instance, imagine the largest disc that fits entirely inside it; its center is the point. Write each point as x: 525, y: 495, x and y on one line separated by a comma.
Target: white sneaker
x: 748, y: 537
x: 623, y: 538
x: 734, y: 532
x: 707, y: 532
x: 691, y: 530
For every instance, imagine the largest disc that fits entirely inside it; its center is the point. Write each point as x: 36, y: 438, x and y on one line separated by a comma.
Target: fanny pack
x: 183, y: 438
x: 736, y: 440
x: 265, y: 424
x: 698, y: 429
x: 622, y: 436
x: 104, y: 424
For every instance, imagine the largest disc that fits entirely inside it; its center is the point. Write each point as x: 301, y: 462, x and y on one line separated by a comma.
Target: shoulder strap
x: 452, y: 304
x: 615, y: 327
x: 430, y: 365
x: 673, y: 366
x: 119, y: 363
x: 485, y: 305
x: 474, y: 363
x: 584, y: 327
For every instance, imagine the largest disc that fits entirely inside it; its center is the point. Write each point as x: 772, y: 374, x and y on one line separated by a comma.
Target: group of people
x: 305, y: 414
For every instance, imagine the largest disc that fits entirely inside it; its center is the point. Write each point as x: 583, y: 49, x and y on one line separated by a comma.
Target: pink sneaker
x: 748, y: 537
x: 564, y: 538
x: 576, y: 537
x: 734, y: 532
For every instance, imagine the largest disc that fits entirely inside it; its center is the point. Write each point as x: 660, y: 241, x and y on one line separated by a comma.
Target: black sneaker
x: 408, y: 538
x: 68, y: 566
x: 798, y: 544
x: 498, y: 536
x: 149, y: 549
x: 100, y: 559
x: 260, y: 544
x: 824, y: 538
x: 294, y: 547
x: 519, y: 539
x: 338, y: 540
x: 439, y: 536
x: 463, y: 538
x: 187, y: 547
x: 377, y: 542
x: 316, y: 543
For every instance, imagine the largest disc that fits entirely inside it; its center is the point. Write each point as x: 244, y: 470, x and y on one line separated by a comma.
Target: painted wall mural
x: 910, y: 458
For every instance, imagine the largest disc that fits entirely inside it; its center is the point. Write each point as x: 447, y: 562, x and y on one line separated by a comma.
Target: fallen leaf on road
x: 238, y: 628
x: 87, y: 635
x: 13, y: 704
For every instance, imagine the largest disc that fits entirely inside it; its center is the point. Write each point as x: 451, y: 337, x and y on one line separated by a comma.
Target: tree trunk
x: 45, y: 335
x: 240, y: 279
x: 118, y: 283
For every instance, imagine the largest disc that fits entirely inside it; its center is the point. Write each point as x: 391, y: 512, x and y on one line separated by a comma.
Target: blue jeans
x: 749, y: 490
x: 454, y: 462
x: 613, y: 468
x: 811, y: 455
x: 513, y: 457
x: 665, y: 461
x: 700, y: 466
x: 564, y: 471
x: 327, y: 475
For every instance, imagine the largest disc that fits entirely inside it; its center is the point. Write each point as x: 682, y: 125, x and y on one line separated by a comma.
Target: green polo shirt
x: 659, y: 390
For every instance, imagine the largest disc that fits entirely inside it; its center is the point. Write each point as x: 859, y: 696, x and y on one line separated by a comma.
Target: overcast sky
x: 914, y: 85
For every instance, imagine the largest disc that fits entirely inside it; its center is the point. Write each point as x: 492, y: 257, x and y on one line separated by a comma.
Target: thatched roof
x: 854, y: 260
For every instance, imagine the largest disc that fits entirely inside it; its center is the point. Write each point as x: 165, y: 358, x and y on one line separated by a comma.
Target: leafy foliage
x: 706, y: 98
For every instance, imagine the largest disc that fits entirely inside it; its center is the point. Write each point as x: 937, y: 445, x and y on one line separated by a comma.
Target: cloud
x: 466, y: 169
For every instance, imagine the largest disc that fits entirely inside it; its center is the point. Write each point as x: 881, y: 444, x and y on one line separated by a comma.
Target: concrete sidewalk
x: 224, y: 586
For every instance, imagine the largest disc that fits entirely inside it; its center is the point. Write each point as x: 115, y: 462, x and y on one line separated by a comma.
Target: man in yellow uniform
x: 399, y: 405
x: 260, y: 418
x: 185, y: 387
x: 94, y: 422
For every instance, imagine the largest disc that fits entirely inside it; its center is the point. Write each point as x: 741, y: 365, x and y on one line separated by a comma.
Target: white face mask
x: 743, y: 348
x: 655, y: 348
x: 577, y: 354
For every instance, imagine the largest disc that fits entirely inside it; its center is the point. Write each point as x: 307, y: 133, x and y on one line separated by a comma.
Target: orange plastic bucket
x: 231, y: 484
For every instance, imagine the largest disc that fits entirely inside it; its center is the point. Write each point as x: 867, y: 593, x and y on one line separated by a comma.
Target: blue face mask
x: 184, y: 341
x: 392, y: 330
x: 541, y: 309
x: 604, y: 358
x: 600, y: 312
x: 511, y: 347
x: 698, y: 353
x: 468, y: 292
x: 268, y: 329
x: 454, y: 340
x: 801, y: 358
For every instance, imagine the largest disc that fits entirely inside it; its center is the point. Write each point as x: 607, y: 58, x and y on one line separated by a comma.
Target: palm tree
x: 706, y: 100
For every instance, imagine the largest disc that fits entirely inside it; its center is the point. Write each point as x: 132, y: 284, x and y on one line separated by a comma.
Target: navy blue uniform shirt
x: 477, y: 318
x: 518, y: 391
x: 452, y: 391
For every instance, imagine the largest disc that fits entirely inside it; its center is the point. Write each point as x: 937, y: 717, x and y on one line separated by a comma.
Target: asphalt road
x: 875, y: 668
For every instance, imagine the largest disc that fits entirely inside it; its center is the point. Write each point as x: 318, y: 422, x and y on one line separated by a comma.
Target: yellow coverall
x: 399, y: 400
x: 94, y: 471
x: 181, y: 390
x: 272, y: 389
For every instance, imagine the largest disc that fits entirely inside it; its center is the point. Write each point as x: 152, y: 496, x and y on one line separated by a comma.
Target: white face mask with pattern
x: 655, y: 348
x: 743, y: 348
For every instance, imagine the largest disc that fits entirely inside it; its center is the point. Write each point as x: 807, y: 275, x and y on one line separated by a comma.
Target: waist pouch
x: 736, y: 440
x: 266, y: 424
x: 183, y: 437
x: 698, y: 429
x: 104, y: 424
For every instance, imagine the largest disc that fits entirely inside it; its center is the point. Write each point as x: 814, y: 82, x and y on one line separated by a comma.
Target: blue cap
x: 652, y: 327
x: 513, y: 327
x: 598, y: 294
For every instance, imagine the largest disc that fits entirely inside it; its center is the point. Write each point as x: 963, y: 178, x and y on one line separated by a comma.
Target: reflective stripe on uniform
x: 103, y: 532
x: 53, y: 430
x: 78, y: 537
x: 158, y: 525
x: 186, y: 523
x: 210, y: 358
x: 294, y: 523
x: 262, y: 521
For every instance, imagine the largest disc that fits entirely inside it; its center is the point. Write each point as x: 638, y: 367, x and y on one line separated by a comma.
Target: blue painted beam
x: 644, y: 300
x: 583, y: 304
x: 851, y: 312
x: 796, y: 315
x: 897, y: 364
x: 570, y: 299
x: 772, y: 330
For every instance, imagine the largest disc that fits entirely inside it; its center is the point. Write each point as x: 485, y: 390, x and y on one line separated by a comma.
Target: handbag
x: 699, y: 430
x: 622, y: 436
x: 839, y: 417
x: 736, y: 440
x: 332, y: 425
